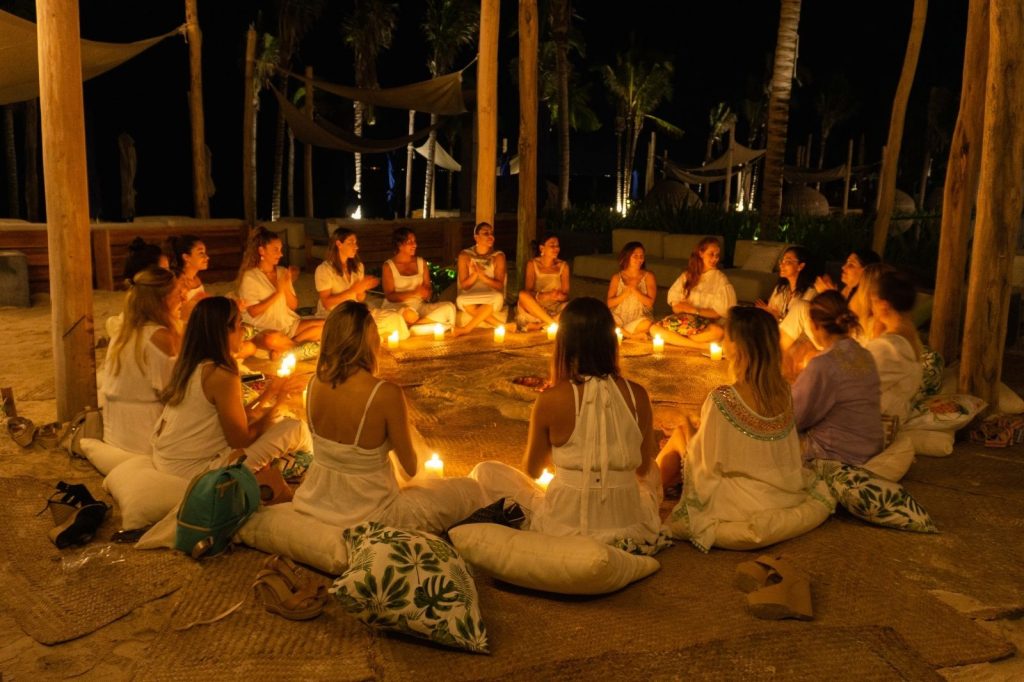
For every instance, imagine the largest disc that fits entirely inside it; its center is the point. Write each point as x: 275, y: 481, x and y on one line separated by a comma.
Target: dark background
x: 721, y: 51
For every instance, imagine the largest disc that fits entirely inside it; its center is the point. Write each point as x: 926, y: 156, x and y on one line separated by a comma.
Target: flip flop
x: 22, y: 431
x: 282, y: 590
x: 788, y: 597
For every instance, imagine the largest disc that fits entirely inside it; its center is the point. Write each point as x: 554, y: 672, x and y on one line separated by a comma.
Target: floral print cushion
x: 932, y: 366
x: 873, y: 498
x: 411, y: 582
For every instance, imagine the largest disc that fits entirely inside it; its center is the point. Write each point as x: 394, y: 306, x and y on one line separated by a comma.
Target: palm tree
x: 834, y: 104
x: 778, y: 115
x: 368, y: 29
x: 560, y: 20
x: 449, y: 26
x: 638, y: 88
x: 294, y: 19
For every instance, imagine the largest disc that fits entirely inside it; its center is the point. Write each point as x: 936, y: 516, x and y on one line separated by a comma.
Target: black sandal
x: 76, y: 515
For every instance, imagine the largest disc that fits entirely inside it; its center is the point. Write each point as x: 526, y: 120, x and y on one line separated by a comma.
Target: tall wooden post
x: 846, y: 177
x: 528, y: 32
x: 248, y: 126
x: 307, y: 157
x: 1000, y: 199
x: 487, y: 110
x: 961, y: 188
x: 410, y: 152
x: 195, y: 100
x: 727, y: 199
x: 67, y: 204
x: 649, y: 170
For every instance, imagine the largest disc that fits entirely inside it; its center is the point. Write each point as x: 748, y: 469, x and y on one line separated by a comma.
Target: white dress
x: 347, y: 484
x: 256, y: 287
x: 712, y: 291
x: 739, y: 464
x: 188, y: 439
x: 544, y: 282
x: 595, y: 490
x: 130, y: 402
x: 631, y: 311
x: 796, y: 313
x: 479, y: 293
x: 900, y: 373
x: 326, y: 278
x: 443, y: 313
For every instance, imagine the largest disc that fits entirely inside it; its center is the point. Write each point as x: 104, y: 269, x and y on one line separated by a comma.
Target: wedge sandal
x: 21, y: 430
x: 50, y: 435
x: 751, y: 575
x: 787, y: 593
x: 76, y: 515
x: 284, y: 591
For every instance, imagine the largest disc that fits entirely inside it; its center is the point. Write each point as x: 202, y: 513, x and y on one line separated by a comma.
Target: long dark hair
x: 695, y: 268
x: 141, y: 254
x: 804, y: 279
x: 258, y: 238
x: 399, y: 236
x: 206, y: 338
x: 627, y: 252
x: 177, y: 247
x: 831, y: 312
x: 334, y: 259
x: 586, y: 344
x: 535, y: 244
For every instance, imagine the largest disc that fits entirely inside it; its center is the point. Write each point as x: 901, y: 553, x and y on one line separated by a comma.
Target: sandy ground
x: 112, y: 652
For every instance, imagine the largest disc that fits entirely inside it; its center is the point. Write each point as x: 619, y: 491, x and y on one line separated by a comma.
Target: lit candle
x: 716, y: 351
x: 393, y: 339
x: 499, y: 334
x: 544, y: 479
x: 658, y: 344
x: 552, y: 331
x: 287, y: 365
x: 434, y: 466
x: 618, y: 335
x: 438, y: 332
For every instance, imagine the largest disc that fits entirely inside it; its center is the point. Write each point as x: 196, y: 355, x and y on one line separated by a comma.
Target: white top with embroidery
x: 712, y: 291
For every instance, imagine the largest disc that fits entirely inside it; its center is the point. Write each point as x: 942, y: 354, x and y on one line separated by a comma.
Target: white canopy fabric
x: 19, y: 57
x: 441, y: 157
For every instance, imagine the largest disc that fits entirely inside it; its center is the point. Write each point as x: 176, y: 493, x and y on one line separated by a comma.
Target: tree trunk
x: 32, y: 160
x: 201, y: 198
x: 778, y: 116
x: 961, y: 187
x: 359, y: 111
x: 291, y: 173
x: 307, y: 158
x: 428, y: 185
x: 999, y: 204
x: 280, y: 133
x: 561, y: 12
x: 618, y: 171
x: 249, y: 132
x: 631, y: 143
x: 890, y: 161
x: 649, y: 169
x: 527, y: 209
x: 67, y: 204
x: 11, y: 156
x: 410, y: 152
x: 487, y: 110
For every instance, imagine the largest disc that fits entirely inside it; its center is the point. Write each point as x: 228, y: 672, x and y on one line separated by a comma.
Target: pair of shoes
x: 50, y: 435
x: 775, y: 588
x: 21, y: 430
x: 283, y: 590
x: 76, y: 515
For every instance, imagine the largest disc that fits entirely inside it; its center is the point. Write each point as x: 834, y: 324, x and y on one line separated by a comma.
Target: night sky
x: 721, y: 51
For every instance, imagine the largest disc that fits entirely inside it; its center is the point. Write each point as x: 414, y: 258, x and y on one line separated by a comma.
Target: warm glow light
x: 438, y: 332
x: 287, y: 365
x: 658, y: 344
x: 618, y: 335
x: 716, y: 351
x: 552, y: 331
x: 434, y: 466
x: 358, y: 213
x: 393, y: 339
x: 499, y: 334
x: 544, y: 479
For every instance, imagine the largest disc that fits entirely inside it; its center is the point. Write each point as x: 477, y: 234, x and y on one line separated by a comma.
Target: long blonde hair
x: 757, y: 359
x: 145, y: 303
x: 349, y: 343
x: 860, y: 301
x: 258, y: 238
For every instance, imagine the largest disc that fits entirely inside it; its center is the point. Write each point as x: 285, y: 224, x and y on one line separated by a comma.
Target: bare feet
x: 411, y: 316
x: 460, y: 331
x: 534, y: 326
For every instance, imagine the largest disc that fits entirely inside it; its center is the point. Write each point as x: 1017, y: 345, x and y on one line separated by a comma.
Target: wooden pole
x: 307, y: 157
x: 728, y: 177
x: 248, y: 126
x: 409, y: 157
x: 67, y: 204
x: 1000, y: 200
x: 195, y: 100
x: 961, y: 188
x: 891, y: 157
x: 487, y: 110
x: 846, y: 177
x: 649, y: 171
x: 527, y: 213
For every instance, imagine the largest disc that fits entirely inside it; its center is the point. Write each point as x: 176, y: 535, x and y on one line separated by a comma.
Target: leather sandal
x: 787, y: 593
x: 282, y: 590
x: 751, y: 575
x: 50, y: 435
x: 21, y: 430
x: 76, y: 515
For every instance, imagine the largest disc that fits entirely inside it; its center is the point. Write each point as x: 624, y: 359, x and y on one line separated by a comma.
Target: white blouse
x: 712, y: 291
x: 330, y: 280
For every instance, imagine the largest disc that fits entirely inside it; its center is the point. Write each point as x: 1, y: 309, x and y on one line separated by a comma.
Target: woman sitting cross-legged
x: 205, y: 424
x: 140, y: 359
x: 631, y: 292
x: 594, y: 429
x: 700, y: 299
x: 407, y: 287
x: 188, y: 257
x: 481, y: 278
x: 356, y: 419
x: 789, y: 299
x: 744, y: 460
x: 897, y: 350
x: 836, y: 398
x: 546, y: 292
x: 268, y: 294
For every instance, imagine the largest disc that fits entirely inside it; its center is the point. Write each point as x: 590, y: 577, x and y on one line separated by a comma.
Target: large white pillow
x: 1007, y: 401
x: 143, y: 494
x: 930, y: 443
x: 104, y: 456
x: 893, y: 462
x: 945, y: 412
x: 280, y: 529
x: 563, y: 565
x: 763, y: 257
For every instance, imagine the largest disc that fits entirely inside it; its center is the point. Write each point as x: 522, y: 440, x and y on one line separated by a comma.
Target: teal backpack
x: 216, y: 504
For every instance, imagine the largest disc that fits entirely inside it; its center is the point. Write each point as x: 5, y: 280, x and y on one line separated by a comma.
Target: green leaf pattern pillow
x: 411, y: 582
x: 873, y: 498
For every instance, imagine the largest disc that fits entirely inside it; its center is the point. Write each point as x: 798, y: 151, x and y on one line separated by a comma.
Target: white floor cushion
x: 894, y: 462
x: 281, y: 529
x: 104, y: 456
x: 143, y: 494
